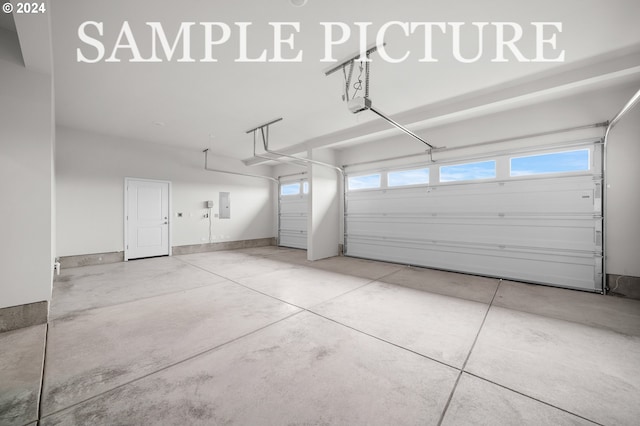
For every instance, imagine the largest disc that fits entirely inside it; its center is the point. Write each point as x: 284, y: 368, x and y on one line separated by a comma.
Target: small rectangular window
x: 408, y: 177
x: 556, y: 162
x: 468, y: 171
x: 305, y: 187
x: 364, y: 182
x: 290, y: 189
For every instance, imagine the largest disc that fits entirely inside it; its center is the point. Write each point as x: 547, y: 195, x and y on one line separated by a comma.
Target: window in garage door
x: 364, y: 181
x: 468, y: 171
x: 537, y: 218
x: 408, y: 177
x: 554, y: 162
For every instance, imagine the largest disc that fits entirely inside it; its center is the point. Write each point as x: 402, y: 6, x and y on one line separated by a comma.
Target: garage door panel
x: 294, y: 239
x: 539, y: 229
x: 521, y: 203
x: 292, y: 220
x: 293, y: 223
x: 578, y: 198
x: 559, y: 268
x: 576, y: 234
x: 294, y: 207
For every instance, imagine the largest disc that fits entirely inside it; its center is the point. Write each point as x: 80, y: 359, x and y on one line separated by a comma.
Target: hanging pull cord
x: 347, y: 80
x: 365, y: 68
x: 358, y: 84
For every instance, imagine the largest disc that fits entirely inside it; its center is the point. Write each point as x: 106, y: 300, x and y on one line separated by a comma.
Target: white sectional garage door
x: 293, y: 207
x: 534, y: 217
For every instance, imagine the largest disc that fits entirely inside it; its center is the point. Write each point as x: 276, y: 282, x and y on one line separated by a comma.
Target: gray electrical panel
x: 225, y: 205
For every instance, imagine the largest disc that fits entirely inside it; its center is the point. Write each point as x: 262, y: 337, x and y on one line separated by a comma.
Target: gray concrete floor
x: 263, y: 337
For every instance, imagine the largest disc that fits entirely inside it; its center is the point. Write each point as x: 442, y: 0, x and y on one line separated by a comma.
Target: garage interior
x: 316, y: 242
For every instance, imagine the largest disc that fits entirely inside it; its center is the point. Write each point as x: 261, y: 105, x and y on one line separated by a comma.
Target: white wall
x: 324, y: 219
x: 623, y: 196
x: 623, y: 226
x: 25, y: 179
x: 90, y: 172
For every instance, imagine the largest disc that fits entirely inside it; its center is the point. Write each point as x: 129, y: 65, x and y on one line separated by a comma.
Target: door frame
x: 126, y: 210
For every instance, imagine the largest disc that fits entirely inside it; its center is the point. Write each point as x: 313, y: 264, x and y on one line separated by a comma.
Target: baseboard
x: 227, y: 245
x: 15, y: 317
x: 116, y: 257
x: 624, y: 285
x: 91, y: 259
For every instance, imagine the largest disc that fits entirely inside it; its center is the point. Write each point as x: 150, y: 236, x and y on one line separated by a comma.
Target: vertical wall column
x: 324, y: 207
x: 623, y: 204
x: 26, y: 173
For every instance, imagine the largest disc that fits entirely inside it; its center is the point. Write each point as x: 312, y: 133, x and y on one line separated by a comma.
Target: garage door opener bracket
x: 357, y: 104
x: 264, y: 133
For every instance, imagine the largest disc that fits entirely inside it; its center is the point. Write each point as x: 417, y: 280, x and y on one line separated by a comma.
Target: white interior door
x: 146, y: 218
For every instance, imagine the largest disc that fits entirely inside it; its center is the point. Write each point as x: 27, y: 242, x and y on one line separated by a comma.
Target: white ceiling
x: 224, y: 99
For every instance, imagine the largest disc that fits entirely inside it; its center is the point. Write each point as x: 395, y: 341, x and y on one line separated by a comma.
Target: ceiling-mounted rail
x: 264, y: 125
x: 279, y: 160
x: 206, y: 167
x: 400, y: 126
x: 264, y: 132
x: 293, y: 174
x: 480, y: 144
x: 255, y: 154
x: 625, y: 109
x: 371, y: 49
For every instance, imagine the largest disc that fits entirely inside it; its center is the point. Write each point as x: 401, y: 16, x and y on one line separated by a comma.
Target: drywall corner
x: 323, y: 227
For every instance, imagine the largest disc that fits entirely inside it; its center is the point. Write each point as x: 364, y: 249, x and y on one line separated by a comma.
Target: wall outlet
x: 179, y: 214
x: 206, y: 215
